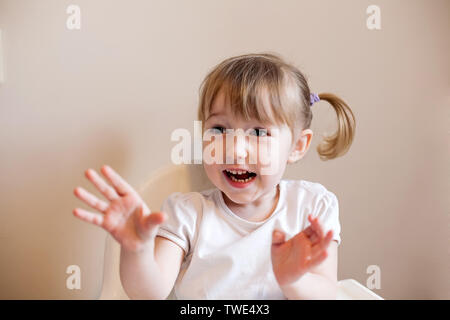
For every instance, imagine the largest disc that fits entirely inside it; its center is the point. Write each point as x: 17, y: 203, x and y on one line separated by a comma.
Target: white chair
x: 185, y: 178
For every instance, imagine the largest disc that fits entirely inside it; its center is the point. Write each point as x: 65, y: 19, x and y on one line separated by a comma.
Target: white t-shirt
x: 228, y: 257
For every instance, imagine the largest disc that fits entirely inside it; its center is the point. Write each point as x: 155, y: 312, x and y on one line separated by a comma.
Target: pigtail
x: 338, y: 144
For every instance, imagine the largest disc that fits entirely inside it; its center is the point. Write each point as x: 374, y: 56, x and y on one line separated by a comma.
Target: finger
x: 311, y: 218
x: 101, y: 185
x: 155, y: 218
x: 323, y: 245
x: 311, y: 234
x: 316, y: 260
x: 314, y: 238
x: 313, y: 224
x: 121, y: 186
x: 151, y: 220
x: 149, y: 224
x: 327, y: 240
x: 278, y: 237
x: 317, y: 227
x: 309, y: 231
x: 90, y: 199
x: 88, y: 216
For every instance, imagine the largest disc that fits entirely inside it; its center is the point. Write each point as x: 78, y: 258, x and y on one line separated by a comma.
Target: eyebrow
x: 214, y: 114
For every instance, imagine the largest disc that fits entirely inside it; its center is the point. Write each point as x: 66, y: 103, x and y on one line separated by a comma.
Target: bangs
x: 255, y: 87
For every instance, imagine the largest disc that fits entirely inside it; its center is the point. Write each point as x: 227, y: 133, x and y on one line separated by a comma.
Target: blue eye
x: 260, y: 132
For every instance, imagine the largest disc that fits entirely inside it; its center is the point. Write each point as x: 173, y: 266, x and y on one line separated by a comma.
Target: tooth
x: 241, y: 180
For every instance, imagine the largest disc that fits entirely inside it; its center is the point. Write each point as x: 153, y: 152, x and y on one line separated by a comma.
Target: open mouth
x: 240, y: 176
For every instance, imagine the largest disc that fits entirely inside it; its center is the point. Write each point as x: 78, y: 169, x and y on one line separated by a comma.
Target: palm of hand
x: 121, y: 220
x: 293, y: 258
x: 125, y: 215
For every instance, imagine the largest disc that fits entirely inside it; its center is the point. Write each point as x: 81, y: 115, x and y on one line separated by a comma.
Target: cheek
x: 275, y: 163
x: 284, y: 149
x: 210, y: 169
x: 274, y: 151
x: 213, y: 151
x: 212, y: 173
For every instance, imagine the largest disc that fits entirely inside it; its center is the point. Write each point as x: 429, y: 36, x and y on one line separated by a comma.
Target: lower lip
x: 238, y: 184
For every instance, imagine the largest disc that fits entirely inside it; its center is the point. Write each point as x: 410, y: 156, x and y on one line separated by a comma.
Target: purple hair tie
x: 313, y: 98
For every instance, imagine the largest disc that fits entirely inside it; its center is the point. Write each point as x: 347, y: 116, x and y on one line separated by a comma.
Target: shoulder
x: 314, y: 198
x: 308, y: 190
x: 192, y: 199
x: 184, y: 212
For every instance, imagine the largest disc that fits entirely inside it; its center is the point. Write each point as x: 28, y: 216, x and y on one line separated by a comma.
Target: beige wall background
x: 114, y: 91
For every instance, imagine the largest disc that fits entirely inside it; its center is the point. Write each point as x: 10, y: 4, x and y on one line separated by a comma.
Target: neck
x: 259, y: 210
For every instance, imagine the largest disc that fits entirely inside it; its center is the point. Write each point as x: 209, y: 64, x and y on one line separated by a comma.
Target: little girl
x: 254, y: 236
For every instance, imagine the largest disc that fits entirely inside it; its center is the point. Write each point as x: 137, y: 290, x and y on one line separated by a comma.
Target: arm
x: 151, y: 273
x: 149, y: 264
x: 306, y: 265
x: 319, y: 283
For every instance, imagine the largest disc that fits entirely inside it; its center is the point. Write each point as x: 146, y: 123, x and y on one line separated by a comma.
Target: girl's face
x: 252, y: 165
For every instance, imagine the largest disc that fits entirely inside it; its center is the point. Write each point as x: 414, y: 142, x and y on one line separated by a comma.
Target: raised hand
x: 293, y: 258
x: 125, y: 216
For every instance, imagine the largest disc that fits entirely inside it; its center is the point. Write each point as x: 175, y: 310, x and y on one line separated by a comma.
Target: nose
x: 236, y: 147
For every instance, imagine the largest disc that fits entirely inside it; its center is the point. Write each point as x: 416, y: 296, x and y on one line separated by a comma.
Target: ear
x: 300, y: 146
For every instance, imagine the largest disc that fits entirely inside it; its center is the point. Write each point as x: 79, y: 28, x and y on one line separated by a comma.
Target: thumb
x: 151, y: 219
x: 148, y: 224
x: 278, y: 237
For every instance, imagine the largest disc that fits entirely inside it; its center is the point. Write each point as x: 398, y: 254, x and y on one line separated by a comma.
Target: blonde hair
x: 266, y: 88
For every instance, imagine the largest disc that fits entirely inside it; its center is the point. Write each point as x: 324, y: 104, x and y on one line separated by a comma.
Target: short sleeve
x: 180, y: 222
x: 328, y: 214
